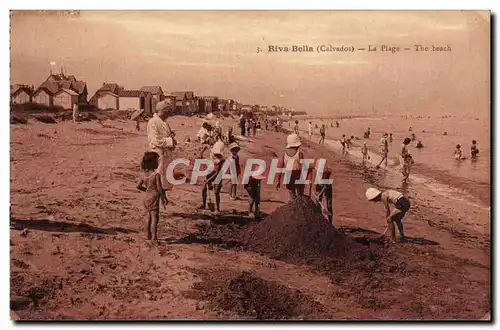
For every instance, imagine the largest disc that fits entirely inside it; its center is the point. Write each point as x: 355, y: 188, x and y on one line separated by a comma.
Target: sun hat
x: 372, y: 193
x: 385, y: 134
x: 234, y: 145
x: 293, y: 141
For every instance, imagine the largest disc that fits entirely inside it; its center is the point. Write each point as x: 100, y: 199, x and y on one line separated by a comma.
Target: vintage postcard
x: 250, y: 165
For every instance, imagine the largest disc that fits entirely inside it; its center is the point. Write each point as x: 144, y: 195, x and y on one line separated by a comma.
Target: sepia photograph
x: 241, y: 165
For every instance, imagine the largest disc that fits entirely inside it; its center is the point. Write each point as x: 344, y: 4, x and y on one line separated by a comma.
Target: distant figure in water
x: 390, y: 138
x: 401, y: 205
x: 364, y: 152
x: 445, y: 133
x: 331, y: 125
x: 413, y: 137
x: 458, y: 153
x: 473, y: 150
x: 410, y: 129
x: 419, y: 145
x: 337, y: 123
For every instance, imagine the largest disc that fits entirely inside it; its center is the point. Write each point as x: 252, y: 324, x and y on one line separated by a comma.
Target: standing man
x: 384, y: 150
x: 161, y: 138
x: 75, y: 112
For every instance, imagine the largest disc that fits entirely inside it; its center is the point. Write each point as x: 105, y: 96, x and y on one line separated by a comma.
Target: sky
x: 215, y: 53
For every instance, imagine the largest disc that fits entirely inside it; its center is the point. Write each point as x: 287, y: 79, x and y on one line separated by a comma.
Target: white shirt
x: 158, y: 132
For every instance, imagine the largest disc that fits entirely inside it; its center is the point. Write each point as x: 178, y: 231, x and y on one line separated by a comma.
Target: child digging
x: 151, y: 185
x: 401, y: 205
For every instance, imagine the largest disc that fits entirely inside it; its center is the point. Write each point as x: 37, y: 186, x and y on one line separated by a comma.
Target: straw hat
x: 293, y: 141
x: 372, y: 193
x: 234, y: 145
x: 385, y: 135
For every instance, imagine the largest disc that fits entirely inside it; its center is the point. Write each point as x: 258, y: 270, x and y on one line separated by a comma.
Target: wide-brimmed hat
x: 234, y: 145
x: 385, y: 135
x: 372, y: 193
x: 293, y: 141
x: 218, y: 148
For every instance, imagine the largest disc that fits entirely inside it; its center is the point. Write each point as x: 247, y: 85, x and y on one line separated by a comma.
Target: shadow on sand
x: 193, y: 239
x: 65, y: 227
x: 371, y: 236
x: 221, y: 219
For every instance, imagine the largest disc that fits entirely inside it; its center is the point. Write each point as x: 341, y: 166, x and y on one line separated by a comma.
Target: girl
x: 294, y: 155
x: 151, y: 184
x: 407, y: 160
x: 401, y: 205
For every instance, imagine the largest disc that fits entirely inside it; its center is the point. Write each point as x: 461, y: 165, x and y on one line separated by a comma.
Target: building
x: 65, y: 98
x: 43, y: 96
x: 134, y: 100
x: 21, y: 94
x: 185, y: 102
x: 55, y: 82
x: 157, y: 94
x: 207, y: 104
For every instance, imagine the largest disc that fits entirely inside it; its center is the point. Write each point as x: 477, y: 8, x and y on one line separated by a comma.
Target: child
x: 151, y: 184
x: 253, y: 190
x: 458, y: 153
x: 294, y: 155
x: 384, y: 150
x: 310, y: 127
x: 210, y: 182
x: 390, y: 138
x: 323, y: 189
x: 401, y: 205
x: 364, y: 152
x: 419, y: 145
x: 473, y: 150
x: 407, y: 160
x: 343, y: 143
x: 322, y: 132
x: 296, y: 127
x: 234, y: 148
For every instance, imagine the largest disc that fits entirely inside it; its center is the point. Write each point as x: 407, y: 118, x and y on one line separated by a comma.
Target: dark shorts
x: 403, y: 204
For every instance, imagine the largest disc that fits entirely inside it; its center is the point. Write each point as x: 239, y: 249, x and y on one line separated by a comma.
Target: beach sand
x: 83, y: 254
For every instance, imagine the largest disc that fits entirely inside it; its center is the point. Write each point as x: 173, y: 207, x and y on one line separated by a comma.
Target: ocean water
x: 438, y: 151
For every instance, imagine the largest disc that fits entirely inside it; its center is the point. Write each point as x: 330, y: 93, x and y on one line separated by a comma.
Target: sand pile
x: 251, y: 296
x: 298, y: 233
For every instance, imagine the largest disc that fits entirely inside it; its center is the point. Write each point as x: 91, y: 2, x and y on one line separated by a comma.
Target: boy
x: 401, y: 205
x: 310, y: 129
x: 343, y: 142
x: 234, y: 148
x: 323, y: 189
x: 296, y: 127
x: 322, y: 132
x: 294, y: 155
x: 210, y: 182
x: 253, y: 190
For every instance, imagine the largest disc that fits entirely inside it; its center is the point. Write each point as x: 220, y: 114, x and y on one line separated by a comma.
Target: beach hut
x: 43, y: 96
x: 21, y: 94
x: 66, y: 98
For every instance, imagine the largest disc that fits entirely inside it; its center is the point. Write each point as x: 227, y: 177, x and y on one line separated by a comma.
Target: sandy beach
x: 78, y: 246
